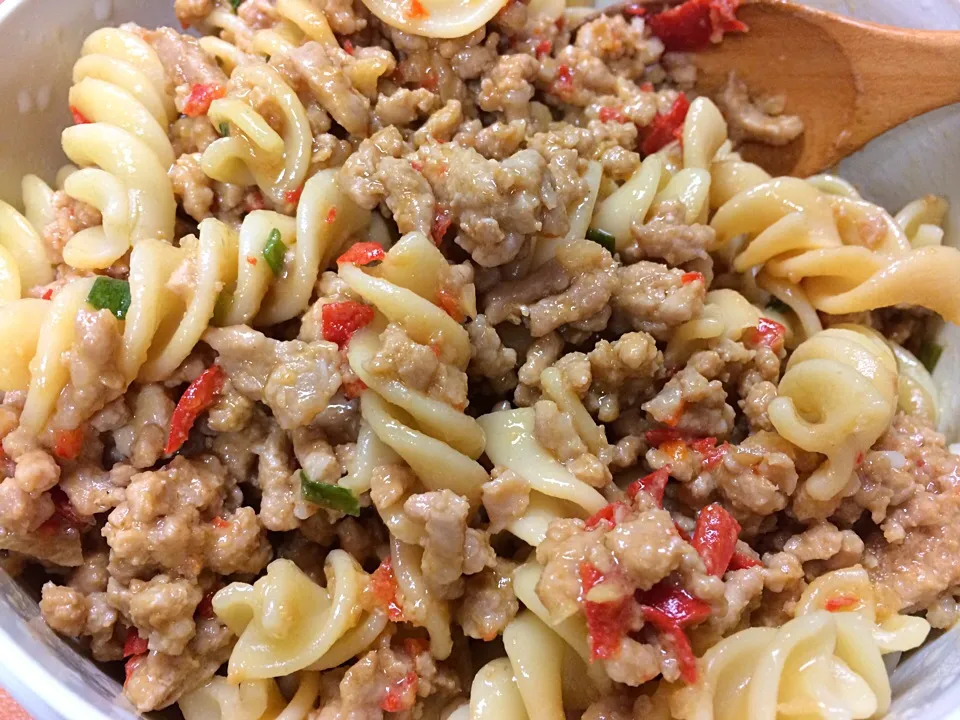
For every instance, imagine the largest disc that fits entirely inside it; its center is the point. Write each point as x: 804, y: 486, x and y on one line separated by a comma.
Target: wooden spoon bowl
x: 849, y: 81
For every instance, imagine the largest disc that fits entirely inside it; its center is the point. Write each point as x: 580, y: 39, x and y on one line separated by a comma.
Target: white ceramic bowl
x: 40, y: 41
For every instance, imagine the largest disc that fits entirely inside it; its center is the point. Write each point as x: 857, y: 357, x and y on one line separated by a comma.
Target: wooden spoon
x: 849, y: 81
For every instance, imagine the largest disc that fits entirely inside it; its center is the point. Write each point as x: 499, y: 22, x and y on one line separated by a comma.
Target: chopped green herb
x: 224, y: 129
x: 778, y: 305
x: 274, y: 252
x: 331, y: 496
x: 929, y: 355
x: 604, y: 238
x: 235, y: 4
x: 110, y: 294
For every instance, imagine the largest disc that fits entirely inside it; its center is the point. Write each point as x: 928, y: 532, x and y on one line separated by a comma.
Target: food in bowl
x: 448, y: 361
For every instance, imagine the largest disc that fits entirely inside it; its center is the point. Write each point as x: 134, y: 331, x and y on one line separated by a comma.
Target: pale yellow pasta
x: 254, y: 153
x: 420, y: 606
x: 284, y: 621
x: 494, y: 694
x: 438, y: 441
x: 820, y: 664
x: 632, y: 199
x: 220, y: 699
x: 726, y: 314
x: 21, y: 322
x: 435, y: 18
x: 918, y: 393
x: 838, y: 395
x: 580, y: 217
x: 511, y: 444
x: 37, y: 202
x: 922, y: 220
x: 25, y: 263
x: 536, y: 654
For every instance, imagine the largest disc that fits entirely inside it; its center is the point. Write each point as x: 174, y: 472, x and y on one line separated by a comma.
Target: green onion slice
x: 929, y: 355
x: 274, y: 252
x: 331, y: 496
x: 110, y: 294
x: 235, y: 4
x: 224, y: 128
x: 778, y: 305
x: 602, y: 237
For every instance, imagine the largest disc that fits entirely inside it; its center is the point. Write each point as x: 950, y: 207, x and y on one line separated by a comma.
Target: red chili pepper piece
x: 646, y: 87
x: 841, y: 602
x: 696, y: 23
x: 131, y: 667
x: 293, y: 197
x: 199, y: 396
x: 353, y: 389
x: 341, y: 320
x: 254, y: 200
x: 676, y: 603
x: 78, y: 117
x: 608, y: 114
x: 450, y: 304
x: 654, y: 484
x: 659, y: 436
x: 664, y: 127
x: 348, y: 47
x: 441, y: 223
x: 402, y: 694
x: 47, y: 294
x: 563, y: 85
x: 134, y: 644
x: 703, y: 445
x: 220, y: 523
x: 416, y: 10
x: 67, y: 444
x: 742, y: 561
x: 383, y: 585
x: 362, y: 253
x: 691, y: 277
x: 331, y: 215
x: 681, y: 645
x: 606, y: 622
x: 543, y: 48
x: 635, y: 10
x: 64, y: 516
x: 612, y: 514
x: 198, y: 102
x: 768, y: 333
x: 715, y: 538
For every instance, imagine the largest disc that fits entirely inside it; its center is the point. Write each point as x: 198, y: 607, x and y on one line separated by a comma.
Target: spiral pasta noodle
x: 123, y: 151
x: 219, y: 699
x: 285, y: 622
x: 837, y: 396
x: 555, y: 491
x: 826, y: 662
x: 438, y: 441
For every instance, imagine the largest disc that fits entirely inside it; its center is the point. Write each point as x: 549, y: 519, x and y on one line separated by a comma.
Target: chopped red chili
x: 341, y: 320
x: 205, y: 606
x: 383, y: 585
x: 841, y: 602
x: 254, y: 200
x: 348, y: 47
x: 414, y: 646
x: 665, y: 127
x: 691, y: 277
x: 606, y: 621
x: 353, y: 389
x: 220, y: 523
x: 331, y: 215
x: 646, y: 87
x: 47, y: 294
x: 402, y: 695
x: 78, y: 117
x: 715, y: 538
x: 64, y: 516
x: 134, y: 644
x: 131, y: 667
x: 654, y: 484
x: 713, y: 456
x: 676, y: 603
x: 543, y: 48
x: 362, y: 253
x: 696, y: 23
x: 198, y: 396
x: 612, y: 114
x: 658, y: 436
x: 67, y: 444
x: 768, y: 333
x: 441, y: 224
x: 251, y: 261
x: 681, y: 644
x: 563, y: 85
x: 416, y: 10
x: 450, y: 304
x: 635, y: 10
x: 200, y: 98
x: 742, y: 561
x: 293, y: 197
x: 611, y: 514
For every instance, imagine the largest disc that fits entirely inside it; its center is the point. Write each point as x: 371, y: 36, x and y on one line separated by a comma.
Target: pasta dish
x: 423, y: 359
